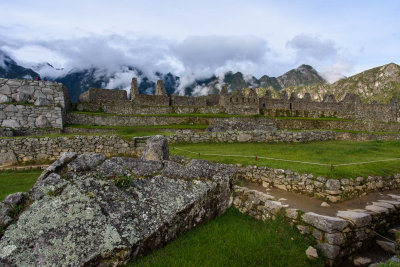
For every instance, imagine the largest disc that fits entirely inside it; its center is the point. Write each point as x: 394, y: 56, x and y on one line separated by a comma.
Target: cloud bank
x: 194, y: 57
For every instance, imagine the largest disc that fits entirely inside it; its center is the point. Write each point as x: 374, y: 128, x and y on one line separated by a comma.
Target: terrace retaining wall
x: 282, y: 124
x: 332, y: 190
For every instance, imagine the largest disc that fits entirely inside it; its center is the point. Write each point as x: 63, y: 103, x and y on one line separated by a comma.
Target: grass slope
x: 234, y: 239
x: 330, y: 152
x: 17, y: 181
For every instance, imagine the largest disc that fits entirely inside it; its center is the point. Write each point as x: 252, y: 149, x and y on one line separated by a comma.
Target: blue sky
x: 199, y: 38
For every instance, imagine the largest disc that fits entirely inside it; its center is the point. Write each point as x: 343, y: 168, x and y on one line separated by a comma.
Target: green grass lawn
x: 330, y: 152
x: 234, y: 239
x: 17, y: 181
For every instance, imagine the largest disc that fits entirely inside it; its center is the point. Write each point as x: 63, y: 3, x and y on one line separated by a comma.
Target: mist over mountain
x: 79, y: 80
x: 10, y: 69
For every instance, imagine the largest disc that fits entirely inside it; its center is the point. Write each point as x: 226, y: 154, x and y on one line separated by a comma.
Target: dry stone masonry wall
x: 332, y: 190
x: 336, y: 236
x: 32, y: 104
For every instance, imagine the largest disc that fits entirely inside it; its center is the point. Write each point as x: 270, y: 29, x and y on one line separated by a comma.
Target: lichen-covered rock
x: 86, y: 162
x: 156, y: 148
x: 90, y: 219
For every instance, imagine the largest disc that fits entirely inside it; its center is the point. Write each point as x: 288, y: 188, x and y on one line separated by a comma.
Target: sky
x: 195, y: 39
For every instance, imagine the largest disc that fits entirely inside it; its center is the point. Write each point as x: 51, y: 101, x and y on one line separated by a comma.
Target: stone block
x: 357, y: 218
x: 7, y: 158
x: 325, y: 223
x: 330, y: 251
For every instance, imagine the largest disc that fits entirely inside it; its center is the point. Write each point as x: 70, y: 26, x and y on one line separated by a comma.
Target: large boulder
x: 88, y: 211
x: 7, y: 158
x: 156, y: 148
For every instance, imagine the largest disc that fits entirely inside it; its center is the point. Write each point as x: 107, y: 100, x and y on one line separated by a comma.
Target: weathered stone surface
x: 377, y: 209
x: 384, y: 205
x: 89, y: 220
x: 311, y: 253
x: 41, y: 101
x: 10, y: 123
x: 156, y: 148
x: 359, y: 219
x: 122, y: 166
x: 4, y: 98
x: 330, y: 251
x: 86, y: 162
x: 231, y: 125
x: 52, y: 184
x: 361, y: 261
x: 42, y: 122
x: 325, y: 223
x: 334, y: 238
x: 61, y: 161
x: 15, y: 199
x: 7, y: 158
x: 332, y: 184
x: 387, y: 246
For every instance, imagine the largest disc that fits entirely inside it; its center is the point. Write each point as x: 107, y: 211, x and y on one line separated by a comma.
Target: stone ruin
x: 26, y: 104
x: 351, y: 107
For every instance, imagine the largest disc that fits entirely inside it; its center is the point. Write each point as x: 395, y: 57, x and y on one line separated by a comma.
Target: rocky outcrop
x: 90, y: 210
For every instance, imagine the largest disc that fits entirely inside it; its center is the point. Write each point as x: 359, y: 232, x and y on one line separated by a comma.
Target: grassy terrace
x: 232, y: 239
x: 17, y: 181
x: 329, y: 152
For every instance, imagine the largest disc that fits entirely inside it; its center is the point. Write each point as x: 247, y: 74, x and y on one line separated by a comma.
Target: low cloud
x: 195, y: 57
x: 312, y: 48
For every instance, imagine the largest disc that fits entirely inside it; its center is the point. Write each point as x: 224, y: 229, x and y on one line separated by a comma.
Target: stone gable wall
x: 30, y: 104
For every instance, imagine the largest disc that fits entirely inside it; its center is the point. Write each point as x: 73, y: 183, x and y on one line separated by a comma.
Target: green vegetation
x: 234, y: 239
x: 123, y: 181
x: 17, y: 181
x: 328, y: 152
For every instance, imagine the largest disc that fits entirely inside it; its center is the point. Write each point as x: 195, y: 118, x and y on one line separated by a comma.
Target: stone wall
x: 336, y: 236
x: 332, y: 190
x: 32, y: 104
x: 150, y: 100
x: 282, y: 124
x: 187, y: 136
x: 38, y: 93
x: 177, y: 100
x: 28, y: 116
x: 94, y: 94
x: 29, y: 148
